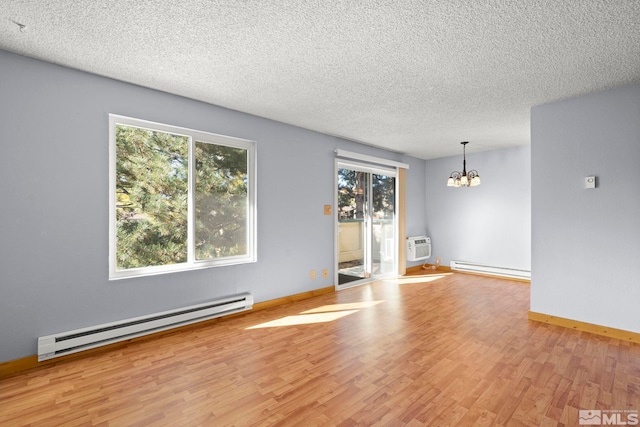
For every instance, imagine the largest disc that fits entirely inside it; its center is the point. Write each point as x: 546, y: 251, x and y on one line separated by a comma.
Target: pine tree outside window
x: 180, y: 199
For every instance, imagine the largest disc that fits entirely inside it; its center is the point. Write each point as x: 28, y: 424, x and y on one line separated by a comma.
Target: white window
x: 179, y: 199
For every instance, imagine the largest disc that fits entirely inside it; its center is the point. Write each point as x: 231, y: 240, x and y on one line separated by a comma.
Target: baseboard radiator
x: 487, y: 269
x: 64, y: 343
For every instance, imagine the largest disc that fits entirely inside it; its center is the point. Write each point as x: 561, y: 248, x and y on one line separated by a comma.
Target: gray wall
x: 54, y: 215
x: 488, y: 224
x: 586, y: 243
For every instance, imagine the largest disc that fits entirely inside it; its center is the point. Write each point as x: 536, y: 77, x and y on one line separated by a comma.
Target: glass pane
x: 151, y: 197
x: 352, y: 206
x: 383, y: 225
x: 221, y: 201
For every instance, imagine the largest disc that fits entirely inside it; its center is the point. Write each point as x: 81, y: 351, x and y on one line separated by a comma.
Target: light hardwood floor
x: 436, y: 350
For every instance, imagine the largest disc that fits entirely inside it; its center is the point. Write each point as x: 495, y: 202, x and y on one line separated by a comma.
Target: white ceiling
x: 413, y: 76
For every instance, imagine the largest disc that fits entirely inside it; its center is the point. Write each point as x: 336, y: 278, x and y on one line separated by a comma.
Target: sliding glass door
x: 383, y: 224
x: 367, y: 226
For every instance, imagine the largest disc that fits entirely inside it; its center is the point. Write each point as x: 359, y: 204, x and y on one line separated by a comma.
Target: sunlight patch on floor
x: 304, y: 319
x: 420, y: 279
x: 345, y: 306
x: 322, y: 314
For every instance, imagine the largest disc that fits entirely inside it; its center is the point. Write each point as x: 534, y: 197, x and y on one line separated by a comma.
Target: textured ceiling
x: 415, y: 76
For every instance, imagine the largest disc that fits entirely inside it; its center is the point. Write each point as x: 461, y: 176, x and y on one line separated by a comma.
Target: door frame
x: 371, y: 165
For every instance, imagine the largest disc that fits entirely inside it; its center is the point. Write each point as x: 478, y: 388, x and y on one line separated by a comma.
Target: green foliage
x: 221, y: 201
x: 151, y: 197
x: 384, y: 190
x: 352, y: 194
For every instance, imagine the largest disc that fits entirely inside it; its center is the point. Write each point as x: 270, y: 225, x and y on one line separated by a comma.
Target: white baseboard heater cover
x: 56, y: 345
x: 487, y: 269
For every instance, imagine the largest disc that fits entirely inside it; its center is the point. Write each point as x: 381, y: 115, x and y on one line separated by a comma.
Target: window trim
x: 194, y: 136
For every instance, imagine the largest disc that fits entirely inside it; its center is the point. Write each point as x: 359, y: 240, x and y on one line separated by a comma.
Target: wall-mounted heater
x: 55, y: 345
x: 418, y: 248
x: 491, y: 270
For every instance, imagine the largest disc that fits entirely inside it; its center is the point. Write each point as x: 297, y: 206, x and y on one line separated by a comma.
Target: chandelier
x: 464, y: 178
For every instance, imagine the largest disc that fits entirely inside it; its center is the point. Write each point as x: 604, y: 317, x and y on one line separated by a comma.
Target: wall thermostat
x: 589, y: 182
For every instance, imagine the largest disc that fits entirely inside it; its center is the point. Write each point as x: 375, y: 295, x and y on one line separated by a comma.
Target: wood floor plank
x: 432, y: 350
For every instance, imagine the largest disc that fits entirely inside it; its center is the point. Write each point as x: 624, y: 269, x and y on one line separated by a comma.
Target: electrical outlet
x: 312, y: 274
x: 325, y: 273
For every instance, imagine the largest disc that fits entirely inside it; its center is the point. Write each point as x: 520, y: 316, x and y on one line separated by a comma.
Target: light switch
x: 589, y: 182
x: 327, y: 209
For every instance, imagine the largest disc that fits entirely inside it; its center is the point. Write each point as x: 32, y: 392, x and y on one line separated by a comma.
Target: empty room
x: 297, y: 213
